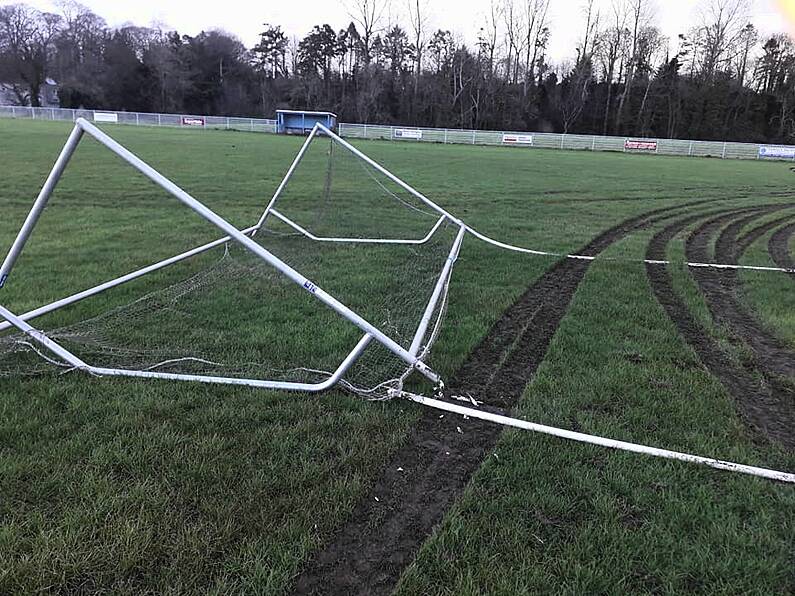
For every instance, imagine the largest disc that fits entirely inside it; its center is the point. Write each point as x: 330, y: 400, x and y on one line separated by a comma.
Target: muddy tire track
x: 720, y: 289
x: 766, y: 409
x: 423, y: 479
x: 779, y: 244
x: 746, y: 240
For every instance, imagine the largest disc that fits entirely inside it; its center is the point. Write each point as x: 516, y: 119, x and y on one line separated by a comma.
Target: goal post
x: 412, y: 356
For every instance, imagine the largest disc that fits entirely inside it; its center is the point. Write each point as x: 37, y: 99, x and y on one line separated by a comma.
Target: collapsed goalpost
x: 394, y: 344
x: 412, y: 356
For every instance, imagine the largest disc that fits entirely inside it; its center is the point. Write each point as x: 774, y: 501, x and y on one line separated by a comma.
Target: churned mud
x: 368, y: 554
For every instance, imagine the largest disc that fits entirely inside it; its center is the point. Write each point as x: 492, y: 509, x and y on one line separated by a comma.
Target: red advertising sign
x: 192, y: 121
x: 636, y: 145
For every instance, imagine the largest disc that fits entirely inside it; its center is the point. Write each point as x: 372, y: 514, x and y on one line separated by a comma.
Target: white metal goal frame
x: 413, y: 355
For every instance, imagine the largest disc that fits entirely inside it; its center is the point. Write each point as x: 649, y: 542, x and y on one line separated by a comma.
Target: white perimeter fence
x: 725, y: 150
x: 140, y: 118
x: 719, y: 149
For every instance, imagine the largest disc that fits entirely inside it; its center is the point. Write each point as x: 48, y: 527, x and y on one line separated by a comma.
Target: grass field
x: 129, y: 487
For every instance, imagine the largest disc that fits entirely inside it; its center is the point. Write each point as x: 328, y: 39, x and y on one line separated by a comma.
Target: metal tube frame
x: 232, y: 233
x: 287, y: 177
x: 429, y: 203
x: 74, y: 298
x: 441, y: 283
x: 271, y: 208
x: 41, y: 202
x: 511, y: 247
x: 311, y: 236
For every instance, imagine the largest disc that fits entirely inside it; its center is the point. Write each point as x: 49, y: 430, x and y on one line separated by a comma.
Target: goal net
x: 355, y: 234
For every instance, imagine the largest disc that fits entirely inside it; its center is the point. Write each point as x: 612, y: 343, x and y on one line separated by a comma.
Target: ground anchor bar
x: 600, y: 441
x: 40, y: 338
x: 332, y: 380
x: 311, y: 236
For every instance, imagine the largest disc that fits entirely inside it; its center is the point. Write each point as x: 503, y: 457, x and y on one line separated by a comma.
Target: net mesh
x: 239, y: 317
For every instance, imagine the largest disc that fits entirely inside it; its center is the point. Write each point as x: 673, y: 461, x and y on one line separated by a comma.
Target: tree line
x: 719, y: 80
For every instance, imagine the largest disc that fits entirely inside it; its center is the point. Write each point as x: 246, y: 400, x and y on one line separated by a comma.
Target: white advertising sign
x: 511, y: 139
x: 408, y: 133
x: 777, y: 152
x: 106, y: 117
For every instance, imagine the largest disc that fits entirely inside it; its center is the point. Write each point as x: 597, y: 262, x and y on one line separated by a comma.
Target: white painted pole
x: 287, y: 176
x: 41, y: 202
x: 600, y: 441
x: 42, y: 339
x: 422, y: 329
x: 311, y: 236
x: 332, y: 380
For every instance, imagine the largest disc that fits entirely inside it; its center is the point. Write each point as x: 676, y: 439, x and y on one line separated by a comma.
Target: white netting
x: 239, y: 317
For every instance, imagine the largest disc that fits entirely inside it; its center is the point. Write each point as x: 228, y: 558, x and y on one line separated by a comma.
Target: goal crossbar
x: 241, y: 237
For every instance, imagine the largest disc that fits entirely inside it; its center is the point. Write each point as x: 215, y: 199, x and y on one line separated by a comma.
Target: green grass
x: 123, y: 486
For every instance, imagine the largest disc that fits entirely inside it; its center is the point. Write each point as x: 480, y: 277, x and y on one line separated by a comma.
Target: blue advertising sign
x: 777, y: 152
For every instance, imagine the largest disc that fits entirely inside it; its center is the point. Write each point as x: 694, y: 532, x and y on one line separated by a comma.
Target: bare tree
x: 368, y: 14
x: 574, y: 92
x: 536, y: 12
x: 652, y: 45
x: 641, y: 14
x: 419, y: 19
x: 514, y: 32
x: 611, y: 46
x: 591, y: 27
x: 747, y: 42
x: 487, y: 36
x: 721, y: 28
x: 26, y: 47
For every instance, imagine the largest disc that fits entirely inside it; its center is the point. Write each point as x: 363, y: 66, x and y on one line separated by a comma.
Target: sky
x: 244, y: 18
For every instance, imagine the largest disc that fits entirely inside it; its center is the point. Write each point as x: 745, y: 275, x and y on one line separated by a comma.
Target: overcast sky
x: 244, y: 18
